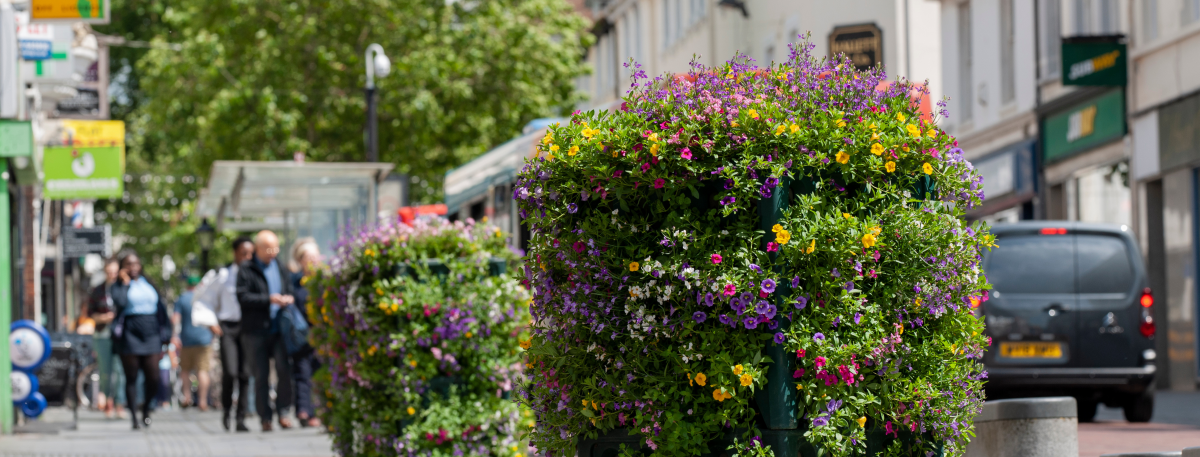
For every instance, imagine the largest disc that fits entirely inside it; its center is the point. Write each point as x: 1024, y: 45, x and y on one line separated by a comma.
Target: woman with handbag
x: 139, y: 332
x: 304, y: 259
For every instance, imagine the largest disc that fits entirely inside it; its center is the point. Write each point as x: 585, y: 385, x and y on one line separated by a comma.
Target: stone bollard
x: 1026, y: 427
x: 1146, y: 454
x: 1191, y: 452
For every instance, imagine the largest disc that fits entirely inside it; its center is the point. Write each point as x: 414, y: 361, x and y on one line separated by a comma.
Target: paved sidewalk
x: 1176, y: 425
x: 174, y: 434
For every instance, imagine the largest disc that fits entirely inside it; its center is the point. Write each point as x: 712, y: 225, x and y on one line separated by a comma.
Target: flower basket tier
x: 419, y: 328
x: 745, y: 259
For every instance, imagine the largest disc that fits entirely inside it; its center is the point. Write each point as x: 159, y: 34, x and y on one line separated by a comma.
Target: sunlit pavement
x: 174, y: 434
x: 1176, y: 425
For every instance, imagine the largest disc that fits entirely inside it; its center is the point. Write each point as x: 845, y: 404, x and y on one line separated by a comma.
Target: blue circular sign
x: 24, y: 385
x: 28, y: 345
x: 34, y: 405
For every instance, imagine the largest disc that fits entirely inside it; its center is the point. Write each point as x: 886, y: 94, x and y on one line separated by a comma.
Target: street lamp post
x: 380, y: 66
x: 204, y: 237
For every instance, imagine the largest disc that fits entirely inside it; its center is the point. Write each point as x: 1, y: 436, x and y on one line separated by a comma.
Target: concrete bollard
x: 1145, y: 454
x: 1026, y: 427
x: 1191, y: 452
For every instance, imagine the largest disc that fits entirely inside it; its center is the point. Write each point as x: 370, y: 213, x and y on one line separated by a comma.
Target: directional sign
x: 81, y: 241
x: 90, y: 11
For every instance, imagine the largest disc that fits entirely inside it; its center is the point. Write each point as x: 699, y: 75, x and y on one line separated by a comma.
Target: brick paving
x: 174, y: 434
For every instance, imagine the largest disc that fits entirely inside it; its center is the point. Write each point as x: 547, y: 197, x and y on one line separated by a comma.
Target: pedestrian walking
x: 294, y: 330
x: 262, y: 290
x: 195, y: 355
x: 101, y: 311
x: 140, y: 329
x: 218, y: 293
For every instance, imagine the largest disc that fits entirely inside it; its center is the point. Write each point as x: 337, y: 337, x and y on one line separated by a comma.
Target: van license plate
x: 1031, y: 350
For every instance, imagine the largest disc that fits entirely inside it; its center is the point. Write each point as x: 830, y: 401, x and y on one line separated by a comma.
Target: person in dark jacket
x: 263, y: 289
x: 139, y: 331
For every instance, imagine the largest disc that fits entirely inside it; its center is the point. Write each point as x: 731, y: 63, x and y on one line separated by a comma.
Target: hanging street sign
x: 90, y: 11
x: 79, y: 172
x: 862, y: 43
x: 1085, y: 125
x: 1094, y: 61
x: 92, y: 133
x: 81, y: 241
x: 16, y: 138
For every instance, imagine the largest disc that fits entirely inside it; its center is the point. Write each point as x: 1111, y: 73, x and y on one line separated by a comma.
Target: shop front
x: 1085, y: 158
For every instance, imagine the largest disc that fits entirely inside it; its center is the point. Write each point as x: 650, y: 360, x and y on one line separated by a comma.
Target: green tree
x: 260, y: 80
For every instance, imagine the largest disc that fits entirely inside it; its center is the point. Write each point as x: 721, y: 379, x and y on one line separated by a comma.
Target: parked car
x: 1070, y: 314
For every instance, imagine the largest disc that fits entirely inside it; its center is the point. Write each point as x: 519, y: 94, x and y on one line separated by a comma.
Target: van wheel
x: 1086, y: 409
x: 1140, y: 407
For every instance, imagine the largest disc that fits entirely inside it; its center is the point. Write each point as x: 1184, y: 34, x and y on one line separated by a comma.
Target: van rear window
x: 1032, y: 265
x: 1104, y: 266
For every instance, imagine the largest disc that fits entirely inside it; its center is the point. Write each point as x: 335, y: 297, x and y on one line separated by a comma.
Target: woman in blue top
x: 139, y: 332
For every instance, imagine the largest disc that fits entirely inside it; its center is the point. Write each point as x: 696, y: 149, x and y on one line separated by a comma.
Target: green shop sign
x: 84, y: 172
x: 1084, y: 126
x: 1093, y: 61
x: 16, y: 139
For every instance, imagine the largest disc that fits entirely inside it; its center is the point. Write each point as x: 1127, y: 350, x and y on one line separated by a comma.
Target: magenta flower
x: 579, y: 246
x: 686, y: 154
x: 716, y: 258
x: 799, y: 373
x: 730, y: 289
x: 645, y: 167
x: 772, y: 246
x: 658, y: 183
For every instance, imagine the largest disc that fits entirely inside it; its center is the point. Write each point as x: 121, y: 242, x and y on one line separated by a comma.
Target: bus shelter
x: 296, y: 199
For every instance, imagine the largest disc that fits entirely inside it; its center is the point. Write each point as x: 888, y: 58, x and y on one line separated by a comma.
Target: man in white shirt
x: 218, y: 292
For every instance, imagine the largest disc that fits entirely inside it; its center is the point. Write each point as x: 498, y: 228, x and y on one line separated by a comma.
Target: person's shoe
x: 241, y: 427
x: 136, y: 425
x: 146, y: 421
x: 266, y: 426
x: 225, y: 421
x: 285, y: 423
x: 311, y: 422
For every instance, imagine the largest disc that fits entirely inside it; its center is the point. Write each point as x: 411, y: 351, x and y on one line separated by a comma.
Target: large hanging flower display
x: 741, y: 244
x: 419, y: 329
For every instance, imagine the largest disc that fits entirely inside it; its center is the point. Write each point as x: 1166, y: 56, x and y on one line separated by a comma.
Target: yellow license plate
x: 1031, y: 350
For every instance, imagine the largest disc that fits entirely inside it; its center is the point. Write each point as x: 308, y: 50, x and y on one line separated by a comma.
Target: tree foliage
x: 260, y: 80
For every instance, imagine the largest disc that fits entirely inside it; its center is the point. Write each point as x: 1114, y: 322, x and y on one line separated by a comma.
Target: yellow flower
x: 574, y: 150
x: 718, y: 395
x: 753, y: 113
x: 868, y: 240
x: 779, y: 130
x: 395, y: 307
x: 877, y: 149
x: 794, y: 128
x: 411, y: 411
x: 633, y: 266
x: 554, y: 148
x: 369, y: 253
x: 932, y: 133
x: 914, y: 130
x: 525, y: 344
x: 378, y: 291
x: 900, y: 117
x: 872, y: 126
x: 799, y: 386
x: 737, y: 369
x: 733, y: 124
x: 468, y: 334
x: 585, y: 403
x: 550, y: 157
x: 927, y: 168
x: 783, y: 237
x: 811, y: 246
x: 847, y: 215
x: 874, y: 137
x: 890, y: 166
x: 653, y: 136
x: 690, y: 381
x: 371, y: 350
x: 840, y: 123
x: 589, y: 133
x: 547, y: 139
x: 776, y: 228
x: 842, y: 157
x: 746, y: 380
x: 594, y: 405
x: 875, y: 230
x: 862, y: 422
x: 701, y: 379
x: 654, y: 149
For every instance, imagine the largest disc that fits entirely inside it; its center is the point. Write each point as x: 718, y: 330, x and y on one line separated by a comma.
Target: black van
x: 1070, y: 314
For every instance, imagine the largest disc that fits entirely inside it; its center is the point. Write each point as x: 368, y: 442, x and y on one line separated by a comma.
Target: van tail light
x: 1054, y: 231
x: 1147, y: 326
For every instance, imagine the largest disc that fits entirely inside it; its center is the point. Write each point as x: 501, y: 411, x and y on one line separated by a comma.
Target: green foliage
x: 260, y: 80
x: 420, y: 342
x: 805, y: 208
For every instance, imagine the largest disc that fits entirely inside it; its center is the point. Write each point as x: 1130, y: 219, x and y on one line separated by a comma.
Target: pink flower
x: 772, y: 246
x: 820, y: 362
x: 716, y: 258
x: 730, y: 289
x: 659, y: 183
x: 686, y: 154
x: 645, y: 167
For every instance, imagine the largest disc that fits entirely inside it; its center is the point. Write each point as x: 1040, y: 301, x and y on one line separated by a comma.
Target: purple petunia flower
x: 750, y: 323
x: 771, y: 310
x: 699, y: 316
x: 836, y: 274
x: 820, y: 421
x: 833, y: 405
x: 849, y: 286
x: 761, y: 307
x: 728, y: 200
x: 916, y: 288
x: 857, y: 317
x: 755, y: 268
x: 745, y: 299
x: 724, y: 319
x: 796, y: 282
x: 801, y: 302
x: 572, y: 208
x: 779, y: 338
x: 819, y: 337
x: 768, y: 286
x: 708, y: 299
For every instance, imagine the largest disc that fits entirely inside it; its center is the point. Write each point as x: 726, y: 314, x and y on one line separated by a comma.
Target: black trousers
x: 262, y: 348
x: 148, y: 364
x: 233, y: 369
x: 304, y: 363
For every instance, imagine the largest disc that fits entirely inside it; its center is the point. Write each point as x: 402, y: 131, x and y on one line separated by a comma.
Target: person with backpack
x: 293, y: 327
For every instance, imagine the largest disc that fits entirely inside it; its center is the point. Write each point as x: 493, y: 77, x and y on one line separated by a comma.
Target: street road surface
x: 174, y: 433
x: 1176, y: 425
